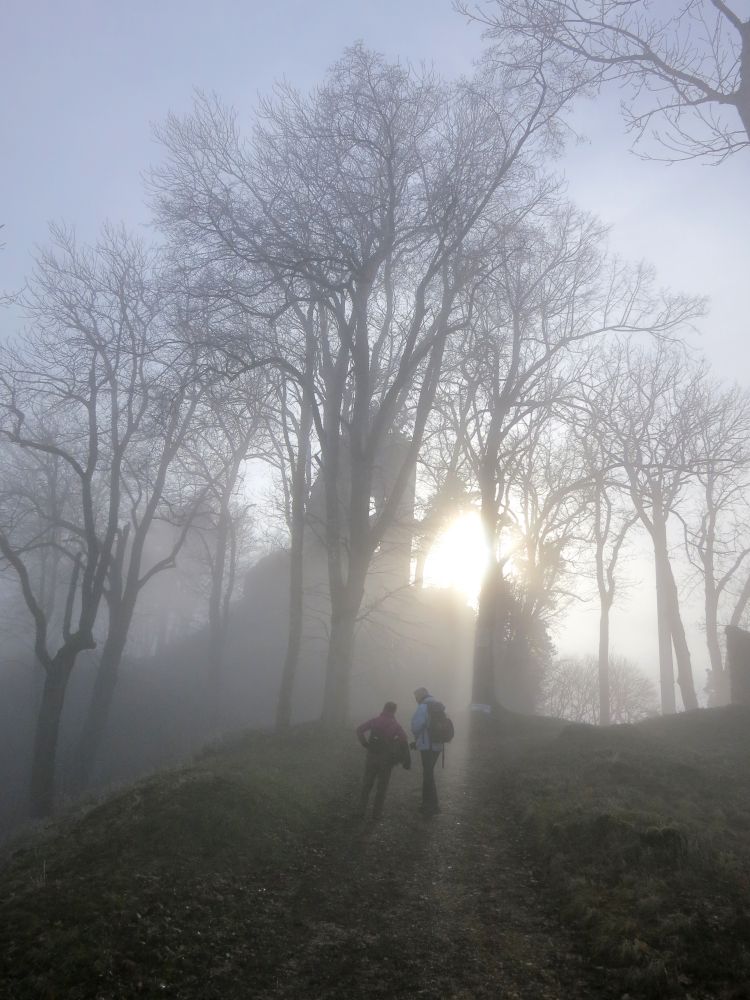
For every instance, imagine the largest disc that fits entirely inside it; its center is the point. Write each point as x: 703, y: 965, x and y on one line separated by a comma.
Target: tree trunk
x: 604, y: 699
x: 297, y: 557
x: 490, y: 482
x: 684, y: 665
x: 296, y: 611
x: 100, y: 705
x: 719, y: 687
x: 420, y: 562
x: 606, y: 597
x: 483, y: 685
x: 666, y: 665
x: 217, y: 624
x: 42, y: 790
x: 738, y: 665
x: 217, y: 640
x: 339, y: 664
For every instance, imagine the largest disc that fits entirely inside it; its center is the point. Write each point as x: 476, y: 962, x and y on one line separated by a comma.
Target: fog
x: 331, y: 369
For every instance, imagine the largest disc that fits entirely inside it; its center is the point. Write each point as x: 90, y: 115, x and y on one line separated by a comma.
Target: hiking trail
x: 422, y: 908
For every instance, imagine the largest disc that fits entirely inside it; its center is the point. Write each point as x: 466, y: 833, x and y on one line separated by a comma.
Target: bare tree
x: 571, y: 691
x: 95, y: 387
x: 546, y: 506
x: 370, y: 199
x: 553, y: 290
x: 39, y: 487
x: 686, y: 65
x: 717, y: 533
x: 297, y: 425
x: 542, y: 546
x: 226, y: 432
x: 610, y: 521
x: 648, y: 404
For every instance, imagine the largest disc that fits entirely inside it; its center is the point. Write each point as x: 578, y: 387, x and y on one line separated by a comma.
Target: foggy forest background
x: 376, y: 299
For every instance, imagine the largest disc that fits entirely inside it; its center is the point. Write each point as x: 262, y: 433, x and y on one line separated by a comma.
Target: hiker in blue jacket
x: 428, y: 751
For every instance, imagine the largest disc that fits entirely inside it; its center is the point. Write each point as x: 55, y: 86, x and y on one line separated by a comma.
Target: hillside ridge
x: 567, y: 862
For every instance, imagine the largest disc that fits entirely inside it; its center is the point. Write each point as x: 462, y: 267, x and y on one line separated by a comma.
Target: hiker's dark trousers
x: 377, y: 770
x: 429, y: 789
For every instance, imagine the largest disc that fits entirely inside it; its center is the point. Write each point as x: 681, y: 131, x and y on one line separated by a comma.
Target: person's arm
x: 419, y: 720
x: 361, y: 730
x: 402, y: 735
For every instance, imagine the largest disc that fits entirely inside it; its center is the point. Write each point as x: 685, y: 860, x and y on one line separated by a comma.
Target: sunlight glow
x: 458, y: 558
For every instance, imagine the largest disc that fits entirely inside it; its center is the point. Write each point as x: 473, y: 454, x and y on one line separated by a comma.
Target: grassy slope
x: 642, y: 833
x: 149, y: 887
x: 183, y: 884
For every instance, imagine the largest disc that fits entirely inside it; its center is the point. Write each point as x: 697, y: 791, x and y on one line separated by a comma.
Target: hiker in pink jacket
x: 386, y: 745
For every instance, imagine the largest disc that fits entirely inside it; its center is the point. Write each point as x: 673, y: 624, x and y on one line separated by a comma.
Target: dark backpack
x: 439, y: 726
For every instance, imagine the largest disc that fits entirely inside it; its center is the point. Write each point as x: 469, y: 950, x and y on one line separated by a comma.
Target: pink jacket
x: 385, y: 726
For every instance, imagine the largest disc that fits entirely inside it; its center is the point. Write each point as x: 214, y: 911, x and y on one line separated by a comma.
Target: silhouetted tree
x: 571, y: 691
x: 647, y: 402
x: 553, y: 290
x: 717, y: 534
x: 291, y: 438
x: 610, y: 518
x: 543, y: 539
x: 96, y: 386
x: 685, y: 65
x: 372, y: 199
x: 227, y: 431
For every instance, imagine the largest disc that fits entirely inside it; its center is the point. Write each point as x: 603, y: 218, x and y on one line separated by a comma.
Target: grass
x: 146, y: 889
x: 243, y: 870
x: 642, y: 835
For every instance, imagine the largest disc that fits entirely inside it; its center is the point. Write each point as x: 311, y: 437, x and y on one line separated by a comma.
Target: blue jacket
x: 419, y: 726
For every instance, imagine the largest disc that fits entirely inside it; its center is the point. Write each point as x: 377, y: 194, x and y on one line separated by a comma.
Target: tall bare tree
x: 553, y: 290
x: 717, y: 533
x: 297, y: 425
x: 543, y: 538
x: 685, y: 65
x: 371, y: 197
x: 610, y: 520
x: 210, y: 508
x: 648, y: 403
x: 96, y: 386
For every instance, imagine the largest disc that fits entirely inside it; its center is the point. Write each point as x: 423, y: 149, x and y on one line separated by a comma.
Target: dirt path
x: 414, y: 908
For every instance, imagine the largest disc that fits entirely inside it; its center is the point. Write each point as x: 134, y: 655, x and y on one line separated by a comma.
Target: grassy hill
x: 147, y: 892
x: 246, y: 873
x: 643, y: 835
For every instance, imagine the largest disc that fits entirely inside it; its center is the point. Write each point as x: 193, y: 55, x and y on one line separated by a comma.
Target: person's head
x: 389, y: 708
x: 420, y: 694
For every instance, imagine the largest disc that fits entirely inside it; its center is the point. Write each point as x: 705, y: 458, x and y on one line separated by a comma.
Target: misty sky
x: 84, y: 80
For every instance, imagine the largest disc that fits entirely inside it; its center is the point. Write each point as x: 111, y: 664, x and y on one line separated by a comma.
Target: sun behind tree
x: 458, y: 558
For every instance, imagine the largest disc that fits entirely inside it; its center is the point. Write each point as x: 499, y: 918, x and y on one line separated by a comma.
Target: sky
x: 84, y: 82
